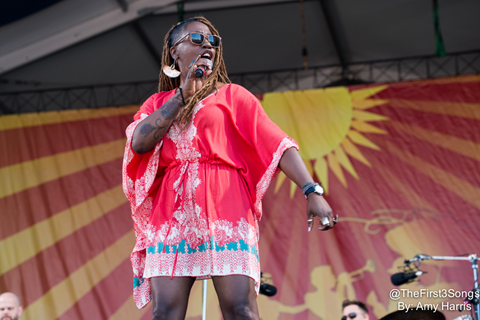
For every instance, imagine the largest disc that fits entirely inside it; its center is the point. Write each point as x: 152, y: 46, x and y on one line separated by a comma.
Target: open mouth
x: 207, y: 55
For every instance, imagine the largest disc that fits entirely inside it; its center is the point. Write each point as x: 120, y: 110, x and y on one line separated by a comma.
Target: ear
x: 20, y: 310
x: 173, y: 52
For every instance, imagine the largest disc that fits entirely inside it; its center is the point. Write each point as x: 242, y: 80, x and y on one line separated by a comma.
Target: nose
x: 206, y: 43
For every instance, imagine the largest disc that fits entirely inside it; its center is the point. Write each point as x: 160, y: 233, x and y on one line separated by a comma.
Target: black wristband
x: 316, y: 187
x: 307, y: 186
x: 181, y: 94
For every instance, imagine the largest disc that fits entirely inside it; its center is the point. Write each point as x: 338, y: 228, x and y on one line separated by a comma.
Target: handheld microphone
x: 401, y: 278
x: 200, y: 71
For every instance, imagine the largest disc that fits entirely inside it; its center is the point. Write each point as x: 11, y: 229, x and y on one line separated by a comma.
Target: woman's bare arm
x: 151, y: 130
x: 294, y: 168
x: 292, y: 165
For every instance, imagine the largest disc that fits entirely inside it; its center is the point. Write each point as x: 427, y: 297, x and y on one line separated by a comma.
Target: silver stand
x: 473, y: 260
x: 204, y: 300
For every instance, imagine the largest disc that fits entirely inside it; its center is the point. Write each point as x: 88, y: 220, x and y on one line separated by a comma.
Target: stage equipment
x: 204, y: 300
x: 265, y: 288
x: 411, y: 271
x: 404, y: 277
x: 122, y: 94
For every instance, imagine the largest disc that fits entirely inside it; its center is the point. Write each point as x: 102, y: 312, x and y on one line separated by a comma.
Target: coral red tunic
x: 196, y: 198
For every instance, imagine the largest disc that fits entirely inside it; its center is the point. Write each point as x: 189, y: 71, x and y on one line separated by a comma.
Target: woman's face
x: 185, y: 51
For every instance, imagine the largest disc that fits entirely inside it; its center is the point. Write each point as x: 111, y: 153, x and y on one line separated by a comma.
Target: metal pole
x: 476, y: 307
x: 473, y: 258
x: 204, y: 298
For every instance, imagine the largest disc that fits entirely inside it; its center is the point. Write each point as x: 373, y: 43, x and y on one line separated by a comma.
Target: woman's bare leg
x: 170, y: 297
x: 236, y: 294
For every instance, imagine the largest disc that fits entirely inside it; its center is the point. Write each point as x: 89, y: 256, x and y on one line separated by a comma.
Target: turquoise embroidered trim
x: 186, y: 249
x: 137, y: 281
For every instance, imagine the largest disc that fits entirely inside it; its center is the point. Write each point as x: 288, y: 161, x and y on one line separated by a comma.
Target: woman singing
x: 199, y: 158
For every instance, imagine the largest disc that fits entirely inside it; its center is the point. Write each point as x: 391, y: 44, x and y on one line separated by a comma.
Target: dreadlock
x: 219, y: 72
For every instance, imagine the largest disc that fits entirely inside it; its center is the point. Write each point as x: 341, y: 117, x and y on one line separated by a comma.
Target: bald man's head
x: 10, y: 308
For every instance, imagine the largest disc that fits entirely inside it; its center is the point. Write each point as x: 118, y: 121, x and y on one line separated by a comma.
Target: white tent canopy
x: 87, y: 42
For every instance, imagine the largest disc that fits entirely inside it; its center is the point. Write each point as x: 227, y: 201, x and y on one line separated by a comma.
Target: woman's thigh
x: 170, y: 296
x: 237, y: 297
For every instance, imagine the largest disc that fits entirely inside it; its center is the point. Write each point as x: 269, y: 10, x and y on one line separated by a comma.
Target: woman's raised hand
x: 193, y: 84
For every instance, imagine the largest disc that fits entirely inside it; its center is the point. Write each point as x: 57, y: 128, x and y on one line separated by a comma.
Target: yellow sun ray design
x: 327, y: 124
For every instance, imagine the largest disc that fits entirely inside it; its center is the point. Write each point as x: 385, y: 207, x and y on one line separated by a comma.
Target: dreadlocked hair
x: 219, y: 72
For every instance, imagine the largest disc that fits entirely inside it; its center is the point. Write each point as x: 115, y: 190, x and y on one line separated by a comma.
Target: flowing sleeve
x: 265, y: 145
x: 139, y: 185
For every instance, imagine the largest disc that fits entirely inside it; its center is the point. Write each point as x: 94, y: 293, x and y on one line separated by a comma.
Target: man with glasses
x: 354, y: 310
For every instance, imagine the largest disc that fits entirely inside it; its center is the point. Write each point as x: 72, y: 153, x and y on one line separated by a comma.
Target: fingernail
x: 194, y: 60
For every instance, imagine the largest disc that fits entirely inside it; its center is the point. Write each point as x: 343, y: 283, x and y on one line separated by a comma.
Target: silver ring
x: 325, y: 221
x: 310, y: 220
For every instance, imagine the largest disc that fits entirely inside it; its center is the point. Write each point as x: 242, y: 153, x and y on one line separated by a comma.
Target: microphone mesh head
x: 398, y: 279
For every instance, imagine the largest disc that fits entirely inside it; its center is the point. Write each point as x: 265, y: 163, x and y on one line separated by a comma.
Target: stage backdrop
x: 400, y: 163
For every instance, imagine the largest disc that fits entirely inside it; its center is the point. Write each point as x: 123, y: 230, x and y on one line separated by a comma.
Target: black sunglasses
x: 198, y: 38
x: 350, y: 315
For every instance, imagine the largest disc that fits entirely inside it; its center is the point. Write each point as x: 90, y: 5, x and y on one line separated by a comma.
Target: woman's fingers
x: 324, y: 224
x: 208, y: 73
x: 198, y: 84
x: 318, y: 208
x: 310, y: 221
x: 205, y: 62
x: 193, y: 62
x: 327, y: 222
x: 192, y: 83
x: 189, y: 85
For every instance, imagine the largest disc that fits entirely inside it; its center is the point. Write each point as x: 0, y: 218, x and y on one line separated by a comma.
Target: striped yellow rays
x: 327, y: 124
